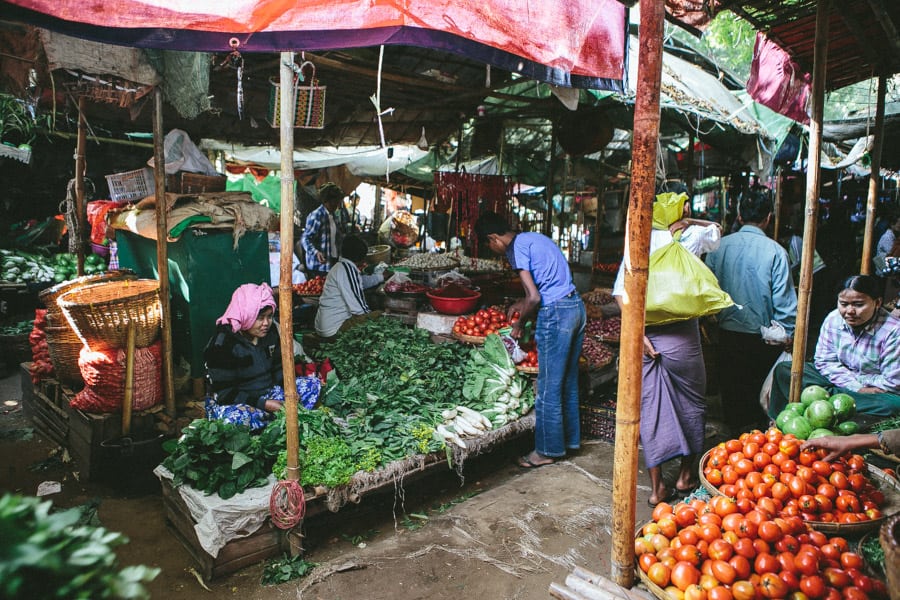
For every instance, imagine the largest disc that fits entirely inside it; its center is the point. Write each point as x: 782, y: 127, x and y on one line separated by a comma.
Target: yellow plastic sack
x: 680, y: 287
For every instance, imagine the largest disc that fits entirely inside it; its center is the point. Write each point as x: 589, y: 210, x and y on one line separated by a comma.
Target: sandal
x: 528, y: 462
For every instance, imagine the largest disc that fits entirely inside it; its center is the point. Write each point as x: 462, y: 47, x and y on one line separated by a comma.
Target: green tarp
x: 204, y: 270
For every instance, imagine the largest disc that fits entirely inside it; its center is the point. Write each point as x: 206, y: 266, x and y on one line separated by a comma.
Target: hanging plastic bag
x: 681, y: 287
x: 766, y: 389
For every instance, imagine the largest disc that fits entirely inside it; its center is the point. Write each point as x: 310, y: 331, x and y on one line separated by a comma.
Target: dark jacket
x: 240, y: 372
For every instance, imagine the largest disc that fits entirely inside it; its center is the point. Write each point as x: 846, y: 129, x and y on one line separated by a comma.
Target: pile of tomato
x: 713, y: 551
x: 311, y: 287
x: 755, y: 542
x: 483, y: 323
x: 769, y: 469
x: 531, y: 355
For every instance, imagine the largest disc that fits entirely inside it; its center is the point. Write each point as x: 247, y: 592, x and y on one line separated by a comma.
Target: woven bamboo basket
x: 64, y: 347
x: 52, y: 294
x: 101, y: 313
x: 889, y: 486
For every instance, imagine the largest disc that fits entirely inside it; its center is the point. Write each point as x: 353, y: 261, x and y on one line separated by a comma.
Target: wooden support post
x: 285, y: 291
x: 640, y: 217
x: 128, y: 398
x: 689, y: 168
x: 80, y: 204
x: 874, y: 179
x: 548, y: 192
x: 817, y: 100
x: 779, y: 187
x: 162, y: 253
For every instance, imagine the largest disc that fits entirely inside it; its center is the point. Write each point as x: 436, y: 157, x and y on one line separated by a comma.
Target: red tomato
x: 813, y: 586
x: 765, y: 563
x: 659, y: 574
x: 772, y: 586
x: 684, y: 574
x: 743, y: 590
x: 725, y: 572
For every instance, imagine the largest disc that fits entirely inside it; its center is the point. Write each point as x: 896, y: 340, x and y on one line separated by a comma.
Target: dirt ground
x: 501, y: 532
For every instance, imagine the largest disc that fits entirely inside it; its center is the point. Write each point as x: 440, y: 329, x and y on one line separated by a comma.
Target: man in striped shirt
x: 343, y: 303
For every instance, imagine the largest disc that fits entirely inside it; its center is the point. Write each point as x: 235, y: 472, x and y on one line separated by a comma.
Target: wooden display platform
x: 267, y: 542
x: 47, y: 405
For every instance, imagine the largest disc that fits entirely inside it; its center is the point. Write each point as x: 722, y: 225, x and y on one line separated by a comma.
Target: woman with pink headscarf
x: 243, y: 358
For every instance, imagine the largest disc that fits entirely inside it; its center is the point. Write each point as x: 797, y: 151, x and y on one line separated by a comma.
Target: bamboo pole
x: 779, y: 190
x: 98, y: 139
x: 872, y: 200
x: 689, y: 168
x: 285, y: 299
x: 80, y: 209
x: 637, y: 250
x: 128, y: 399
x: 548, y: 192
x: 813, y: 172
x: 162, y: 253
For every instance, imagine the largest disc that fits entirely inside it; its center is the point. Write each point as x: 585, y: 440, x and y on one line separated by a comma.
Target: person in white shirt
x: 343, y: 303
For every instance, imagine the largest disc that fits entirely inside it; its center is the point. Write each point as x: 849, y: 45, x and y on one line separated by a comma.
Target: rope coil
x: 287, y: 504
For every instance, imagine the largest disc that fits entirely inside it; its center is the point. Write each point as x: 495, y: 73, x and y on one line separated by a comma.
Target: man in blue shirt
x: 756, y: 273
x: 553, y: 303
x: 322, y: 235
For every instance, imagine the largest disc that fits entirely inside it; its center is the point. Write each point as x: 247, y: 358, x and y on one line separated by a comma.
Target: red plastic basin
x: 454, y: 306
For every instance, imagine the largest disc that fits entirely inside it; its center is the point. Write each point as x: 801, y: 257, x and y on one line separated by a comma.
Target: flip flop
x: 682, y: 493
x: 525, y: 462
x: 672, y: 495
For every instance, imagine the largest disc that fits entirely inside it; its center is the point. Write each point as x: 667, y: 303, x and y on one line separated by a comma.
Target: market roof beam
x: 887, y: 24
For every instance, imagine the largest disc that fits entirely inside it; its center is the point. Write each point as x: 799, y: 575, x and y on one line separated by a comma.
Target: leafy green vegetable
x: 286, y: 568
x: 219, y: 457
x: 49, y: 555
x: 327, y: 461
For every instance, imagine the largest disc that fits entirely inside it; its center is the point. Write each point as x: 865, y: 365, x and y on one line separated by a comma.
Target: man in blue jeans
x: 553, y: 303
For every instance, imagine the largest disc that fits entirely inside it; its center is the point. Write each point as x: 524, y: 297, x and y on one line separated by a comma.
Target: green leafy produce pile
x: 49, y: 555
x: 219, y: 457
x: 871, y: 550
x: 19, y: 328
x: 284, y: 569
x: 391, y: 396
x: 17, y: 266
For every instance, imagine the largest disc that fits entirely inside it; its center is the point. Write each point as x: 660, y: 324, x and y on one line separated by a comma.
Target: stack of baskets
x: 63, y: 342
x: 101, y: 313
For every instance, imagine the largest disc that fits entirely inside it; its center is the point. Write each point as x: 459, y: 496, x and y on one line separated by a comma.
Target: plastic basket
x: 598, y: 422
x: 100, y: 314
x: 131, y: 185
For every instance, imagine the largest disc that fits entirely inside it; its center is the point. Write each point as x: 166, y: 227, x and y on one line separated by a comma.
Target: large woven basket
x: 52, y: 294
x: 101, y: 313
x: 64, y: 348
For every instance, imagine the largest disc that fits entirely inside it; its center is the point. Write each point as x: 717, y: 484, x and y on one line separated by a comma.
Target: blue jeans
x: 559, y: 333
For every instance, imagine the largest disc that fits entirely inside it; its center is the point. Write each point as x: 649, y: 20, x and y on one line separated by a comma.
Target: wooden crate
x: 87, y: 431
x: 41, y: 404
x: 267, y: 542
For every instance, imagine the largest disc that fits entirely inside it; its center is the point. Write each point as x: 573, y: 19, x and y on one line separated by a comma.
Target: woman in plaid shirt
x: 858, y: 353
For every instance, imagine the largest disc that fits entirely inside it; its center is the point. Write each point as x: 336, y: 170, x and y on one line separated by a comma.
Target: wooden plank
x: 265, y: 543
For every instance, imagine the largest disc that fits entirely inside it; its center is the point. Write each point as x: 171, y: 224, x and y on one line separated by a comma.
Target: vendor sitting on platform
x: 343, y: 303
x: 243, y: 358
x: 858, y: 353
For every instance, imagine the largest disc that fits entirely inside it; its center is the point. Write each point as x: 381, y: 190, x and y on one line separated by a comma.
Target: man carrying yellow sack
x: 673, y: 410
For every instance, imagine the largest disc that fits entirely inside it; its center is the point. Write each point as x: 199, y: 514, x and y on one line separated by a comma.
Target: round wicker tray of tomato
x: 769, y: 470
x: 710, y: 550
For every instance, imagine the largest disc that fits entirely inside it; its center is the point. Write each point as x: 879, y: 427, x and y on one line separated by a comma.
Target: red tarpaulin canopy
x: 579, y: 43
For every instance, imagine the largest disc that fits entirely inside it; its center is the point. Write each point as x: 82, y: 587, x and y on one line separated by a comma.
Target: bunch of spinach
x: 385, y: 366
x: 49, y: 555
x: 219, y: 457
